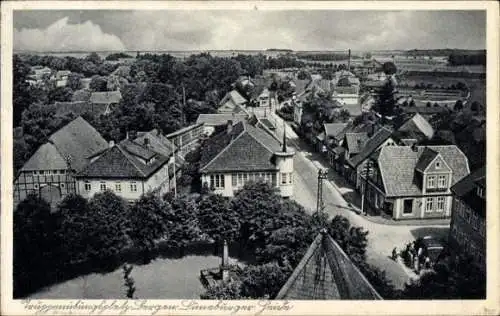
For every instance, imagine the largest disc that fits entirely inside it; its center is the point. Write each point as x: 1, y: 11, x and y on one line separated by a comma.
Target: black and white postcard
x: 248, y: 158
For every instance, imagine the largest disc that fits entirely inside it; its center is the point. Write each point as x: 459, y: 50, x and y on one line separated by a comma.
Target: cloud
x: 62, y: 36
x: 252, y: 30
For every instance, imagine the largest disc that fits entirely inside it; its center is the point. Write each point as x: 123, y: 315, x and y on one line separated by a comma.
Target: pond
x: 162, y: 278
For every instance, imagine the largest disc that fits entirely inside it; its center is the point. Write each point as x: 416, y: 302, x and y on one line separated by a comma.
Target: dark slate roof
x: 466, y: 190
x: 108, y: 97
x: 124, y: 161
x: 355, y: 141
x: 333, y: 129
x: 418, y: 124
x: 257, y: 91
x: 245, y: 148
x: 427, y: 156
x: 370, y: 146
x: 157, y: 142
x: 220, y: 118
x: 137, y: 149
x: 326, y: 273
x: 397, y: 165
x: 77, y: 141
x: 45, y: 158
x: 235, y: 97
x: 79, y: 108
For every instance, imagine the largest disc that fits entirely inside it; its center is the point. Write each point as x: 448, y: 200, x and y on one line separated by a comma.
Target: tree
x: 258, y: 204
x: 183, y: 223
x: 264, y: 281
x: 217, y: 219
x: 389, y: 68
x: 94, y: 58
x: 107, y: 227
x: 412, y: 103
x: 98, y: 83
x: 223, y: 291
x: 74, y: 213
x: 475, y: 106
x: 21, y: 95
x: 60, y: 94
x: 129, y: 281
x: 454, y: 278
x: 351, y: 239
x: 74, y: 81
x: 385, y: 101
x: 35, y: 246
x: 148, y: 221
x: 303, y: 75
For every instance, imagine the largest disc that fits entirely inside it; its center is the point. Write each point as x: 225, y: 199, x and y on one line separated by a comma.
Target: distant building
x: 85, y: 83
x: 417, y: 125
x: 468, y: 218
x: 245, y: 153
x: 212, y: 121
x: 108, y: 100
x: 409, y: 182
x: 187, y: 139
x: 79, y: 108
x: 233, y: 102
x: 356, y: 163
x: 326, y: 273
x: 50, y: 171
x: 345, y: 87
x: 327, y: 136
x: 129, y: 169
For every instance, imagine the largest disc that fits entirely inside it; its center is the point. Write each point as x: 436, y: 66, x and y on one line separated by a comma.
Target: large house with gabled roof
x: 244, y: 153
x: 413, y: 182
x: 50, y: 170
x: 130, y: 169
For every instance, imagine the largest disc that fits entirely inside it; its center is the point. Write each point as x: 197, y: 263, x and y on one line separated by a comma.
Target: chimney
x: 414, y: 147
x: 111, y: 143
x: 349, y: 61
x: 126, y: 135
x: 146, y: 142
x: 229, y: 126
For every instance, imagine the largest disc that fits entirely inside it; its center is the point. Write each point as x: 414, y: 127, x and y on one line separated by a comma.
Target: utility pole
x: 363, y: 197
x: 322, y: 174
x: 183, y: 104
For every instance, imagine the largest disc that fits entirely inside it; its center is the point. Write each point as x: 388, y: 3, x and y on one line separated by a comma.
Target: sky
x: 99, y: 30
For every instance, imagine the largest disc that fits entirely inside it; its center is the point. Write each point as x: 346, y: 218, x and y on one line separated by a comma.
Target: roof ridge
x: 231, y: 142
x: 260, y: 142
x: 126, y: 154
x: 302, y: 263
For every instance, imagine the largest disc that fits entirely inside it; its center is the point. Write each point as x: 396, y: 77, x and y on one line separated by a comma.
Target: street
x: 381, y: 238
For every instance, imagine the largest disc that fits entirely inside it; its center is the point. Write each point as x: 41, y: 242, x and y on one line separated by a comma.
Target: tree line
x: 456, y: 59
x: 80, y: 236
